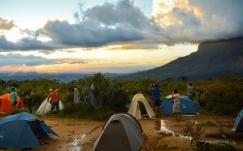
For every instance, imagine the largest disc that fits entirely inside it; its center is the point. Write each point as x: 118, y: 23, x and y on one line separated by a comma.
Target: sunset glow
x: 106, y: 35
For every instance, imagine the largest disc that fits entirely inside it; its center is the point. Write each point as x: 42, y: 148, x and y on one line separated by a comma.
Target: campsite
x: 69, y: 129
x: 121, y: 75
x: 80, y: 124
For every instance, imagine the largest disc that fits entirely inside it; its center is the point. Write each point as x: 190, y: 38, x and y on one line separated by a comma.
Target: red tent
x: 5, y: 103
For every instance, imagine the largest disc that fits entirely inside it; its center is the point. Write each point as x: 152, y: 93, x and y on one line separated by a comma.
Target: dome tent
x: 238, y: 124
x: 187, y: 106
x: 135, y: 110
x: 122, y: 132
x: 22, y: 130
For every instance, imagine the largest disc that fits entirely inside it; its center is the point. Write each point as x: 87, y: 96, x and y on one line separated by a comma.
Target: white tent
x: 135, y: 108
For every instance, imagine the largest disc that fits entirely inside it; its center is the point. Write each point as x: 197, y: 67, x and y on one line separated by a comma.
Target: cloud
x: 102, y: 25
x: 73, y: 61
x: 196, y: 21
x: 173, y: 21
x: 6, y: 25
x: 96, y: 26
x: 31, y: 60
x: 18, y: 59
x: 24, y: 44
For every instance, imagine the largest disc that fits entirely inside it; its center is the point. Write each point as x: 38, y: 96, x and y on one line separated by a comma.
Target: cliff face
x: 213, y: 59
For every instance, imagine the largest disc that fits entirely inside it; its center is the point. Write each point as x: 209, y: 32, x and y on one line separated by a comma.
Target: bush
x: 110, y: 96
x: 224, y: 98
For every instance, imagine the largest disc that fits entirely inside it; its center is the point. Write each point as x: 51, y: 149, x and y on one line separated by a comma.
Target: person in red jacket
x: 54, y: 99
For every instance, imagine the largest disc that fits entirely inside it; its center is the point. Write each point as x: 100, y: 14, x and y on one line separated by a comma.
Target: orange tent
x: 5, y: 103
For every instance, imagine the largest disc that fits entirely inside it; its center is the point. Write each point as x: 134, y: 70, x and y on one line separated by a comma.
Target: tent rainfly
x: 22, y: 131
x: 238, y: 124
x: 134, y: 109
x: 5, y: 103
x: 122, y: 132
x: 187, y: 106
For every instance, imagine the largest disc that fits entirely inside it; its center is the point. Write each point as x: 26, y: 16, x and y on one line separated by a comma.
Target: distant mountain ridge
x: 64, y: 77
x: 34, y: 75
x: 212, y: 60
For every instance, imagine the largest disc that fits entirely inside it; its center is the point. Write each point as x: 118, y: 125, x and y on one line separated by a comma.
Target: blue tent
x: 238, y: 124
x: 187, y: 107
x: 22, y: 131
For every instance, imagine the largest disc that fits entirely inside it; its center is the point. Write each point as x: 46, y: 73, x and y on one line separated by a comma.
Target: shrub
x: 225, y: 95
x: 224, y: 98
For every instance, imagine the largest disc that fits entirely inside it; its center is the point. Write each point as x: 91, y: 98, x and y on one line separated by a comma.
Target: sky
x: 119, y: 36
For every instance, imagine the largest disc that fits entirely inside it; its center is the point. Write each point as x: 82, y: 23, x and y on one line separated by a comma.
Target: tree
x: 184, y: 78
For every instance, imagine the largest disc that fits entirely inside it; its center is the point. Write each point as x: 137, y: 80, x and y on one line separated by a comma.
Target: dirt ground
x: 69, y: 129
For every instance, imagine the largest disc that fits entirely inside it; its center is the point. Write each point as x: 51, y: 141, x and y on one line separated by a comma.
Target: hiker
x: 92, y: 97
x: 76, y: 96
x: 70, y: 98
x: 13, y: 95
x: 151, y: 87
x: 54, y: 99
x: 29, y: 99
x: 176, y: 102
x: 190, y: 91
x: 155, y: 91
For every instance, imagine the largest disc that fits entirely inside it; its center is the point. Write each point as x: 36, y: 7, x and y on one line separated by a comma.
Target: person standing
x: 92, y: 97
x: 29, y: 99
x: 54, y: 99
x: 13, y: 95
x: 70, y: 98
x: 76, y: 96
x: 150, y: 89
x: 190, y: 91
x: 176, y: 102
x: 155, y: 91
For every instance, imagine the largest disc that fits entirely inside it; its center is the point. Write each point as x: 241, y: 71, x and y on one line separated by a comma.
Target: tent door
x: 143, y: 110
x: 37, y: 130
x: 114, y: 138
